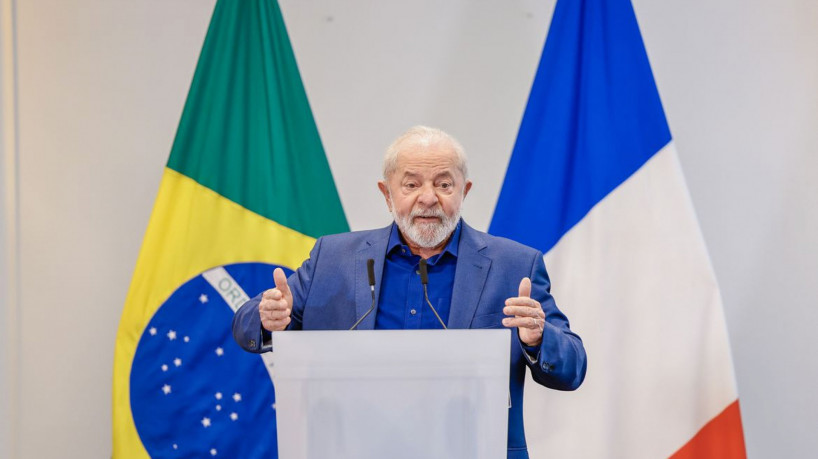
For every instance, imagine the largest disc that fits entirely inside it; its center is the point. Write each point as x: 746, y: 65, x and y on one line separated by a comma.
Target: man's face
x: 425, y: 192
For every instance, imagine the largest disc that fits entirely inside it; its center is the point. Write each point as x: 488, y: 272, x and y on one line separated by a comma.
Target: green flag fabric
x: 247, y: 188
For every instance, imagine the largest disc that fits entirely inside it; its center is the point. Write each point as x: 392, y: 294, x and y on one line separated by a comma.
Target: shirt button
x: 413, y: 312
x: 417, y: 272
x: 402, y: 250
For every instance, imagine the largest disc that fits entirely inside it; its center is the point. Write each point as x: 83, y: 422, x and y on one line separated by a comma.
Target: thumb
x: 525, y: 287
x: 281, y: 281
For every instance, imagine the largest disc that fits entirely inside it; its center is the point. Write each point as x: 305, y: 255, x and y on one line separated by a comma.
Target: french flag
x: 595, y: 183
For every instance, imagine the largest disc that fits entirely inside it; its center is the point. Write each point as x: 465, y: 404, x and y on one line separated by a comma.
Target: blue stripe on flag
x: 593, y: 118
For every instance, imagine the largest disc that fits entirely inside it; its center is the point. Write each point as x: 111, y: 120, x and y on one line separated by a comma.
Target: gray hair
x: 424, y: 136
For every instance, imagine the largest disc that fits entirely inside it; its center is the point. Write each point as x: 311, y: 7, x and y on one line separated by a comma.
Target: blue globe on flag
x: 194, y: 392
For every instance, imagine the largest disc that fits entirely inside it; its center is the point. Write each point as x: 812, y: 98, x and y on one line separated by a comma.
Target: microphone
x: 370, y: 271
x: 424, y: 279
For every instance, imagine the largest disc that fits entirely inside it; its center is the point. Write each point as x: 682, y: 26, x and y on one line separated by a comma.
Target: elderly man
x: 475, y: 280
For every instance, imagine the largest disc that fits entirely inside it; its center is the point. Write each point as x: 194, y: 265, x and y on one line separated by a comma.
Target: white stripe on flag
x: 230, y: 290
x: 635, y: 279
x: 234, y: 296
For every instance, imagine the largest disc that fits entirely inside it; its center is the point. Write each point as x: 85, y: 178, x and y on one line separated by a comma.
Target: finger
x: 272, y: 294
x: 274, y: 314
x: 268, y: 306
x: 525, y: 287
x: 524, y: 311
x: 523, y: 301
x: 281, y: 281
x: 278, y: 314
x: 523, y: 322
x: 275, y: 325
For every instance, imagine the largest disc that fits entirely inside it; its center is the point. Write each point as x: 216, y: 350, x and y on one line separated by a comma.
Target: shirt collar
x: 395, y: 242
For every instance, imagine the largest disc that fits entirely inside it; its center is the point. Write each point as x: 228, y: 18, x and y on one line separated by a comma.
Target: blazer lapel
x: 375, y: 248
x: 469, y: 278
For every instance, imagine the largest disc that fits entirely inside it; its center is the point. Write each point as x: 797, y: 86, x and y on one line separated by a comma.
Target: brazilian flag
x: 247, y: 188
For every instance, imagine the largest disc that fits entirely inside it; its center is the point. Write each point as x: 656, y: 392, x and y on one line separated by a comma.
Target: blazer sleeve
x: 247, y: 329
x: 561, y: 361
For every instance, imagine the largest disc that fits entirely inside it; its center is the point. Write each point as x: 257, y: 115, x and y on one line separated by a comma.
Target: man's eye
x: 411, y: 186
x: 445, y: 185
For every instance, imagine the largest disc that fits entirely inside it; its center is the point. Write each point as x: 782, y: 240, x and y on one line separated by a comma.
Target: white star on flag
x: 166, y: 389
x: 206, y: 422
x: 218, y: 407
x: 234, y: 416
x: 213, y: 451
x: 203, y: 298
x: 219, y: 351
x: 177, y: 361
x: 152, y: 331
x: 164, y: 367
x: 172, y: 335
x: 237, y: 397
x: 187, y: 339
x: 218, y: 395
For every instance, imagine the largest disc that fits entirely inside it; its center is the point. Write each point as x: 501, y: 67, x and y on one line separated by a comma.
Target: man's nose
x: 428, y: 197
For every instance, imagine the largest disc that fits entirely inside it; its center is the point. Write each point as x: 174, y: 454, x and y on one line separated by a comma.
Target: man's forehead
x: 425, y: 156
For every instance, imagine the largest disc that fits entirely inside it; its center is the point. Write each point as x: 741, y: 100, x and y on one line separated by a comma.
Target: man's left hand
x: 527, y: 313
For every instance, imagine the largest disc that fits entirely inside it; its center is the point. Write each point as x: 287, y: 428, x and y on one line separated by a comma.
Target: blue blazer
x: 331, y: 291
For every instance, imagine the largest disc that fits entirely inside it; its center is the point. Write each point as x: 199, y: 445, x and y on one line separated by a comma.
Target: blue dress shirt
x: 402, y: 304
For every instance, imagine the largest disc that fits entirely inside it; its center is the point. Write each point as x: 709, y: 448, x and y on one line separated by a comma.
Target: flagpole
x: 9, y: 235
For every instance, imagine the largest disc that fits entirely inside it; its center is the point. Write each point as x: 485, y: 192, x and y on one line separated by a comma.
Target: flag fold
x: 247, y: 188
x: 594, y: 182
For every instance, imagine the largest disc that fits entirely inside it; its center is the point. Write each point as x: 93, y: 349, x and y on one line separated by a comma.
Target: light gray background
x: 101, y: 85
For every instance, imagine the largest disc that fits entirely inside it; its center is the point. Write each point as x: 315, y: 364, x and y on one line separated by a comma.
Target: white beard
x: 427, y: 235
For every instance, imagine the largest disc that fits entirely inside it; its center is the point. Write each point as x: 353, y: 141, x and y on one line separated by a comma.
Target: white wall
x: 101, y: 87
x: 93, y: 75
x: 740, y: 85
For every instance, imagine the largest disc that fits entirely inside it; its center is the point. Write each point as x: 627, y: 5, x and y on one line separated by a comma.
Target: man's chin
x: 430, y: 237
x: 427, y: 226
x: 425, y: 231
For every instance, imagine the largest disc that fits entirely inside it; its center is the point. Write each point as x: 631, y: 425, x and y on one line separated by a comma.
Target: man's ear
x: 466, y: 188
x: 385, y: 192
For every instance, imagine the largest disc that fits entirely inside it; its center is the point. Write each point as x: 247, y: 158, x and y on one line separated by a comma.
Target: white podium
x: 391, y: 394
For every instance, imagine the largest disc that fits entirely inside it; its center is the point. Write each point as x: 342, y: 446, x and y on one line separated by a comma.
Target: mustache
x: 435, y: 212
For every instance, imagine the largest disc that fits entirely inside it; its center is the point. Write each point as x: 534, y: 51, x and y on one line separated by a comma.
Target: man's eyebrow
x: 413, y: 174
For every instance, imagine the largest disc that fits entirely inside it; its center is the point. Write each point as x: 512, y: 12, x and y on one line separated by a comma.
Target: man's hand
x: 528, y: 315
x: 276, y: 304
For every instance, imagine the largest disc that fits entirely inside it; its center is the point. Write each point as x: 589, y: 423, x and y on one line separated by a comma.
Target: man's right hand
x: 276, y: 304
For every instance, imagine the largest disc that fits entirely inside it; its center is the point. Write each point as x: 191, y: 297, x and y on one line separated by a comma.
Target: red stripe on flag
x: 722, y: 438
